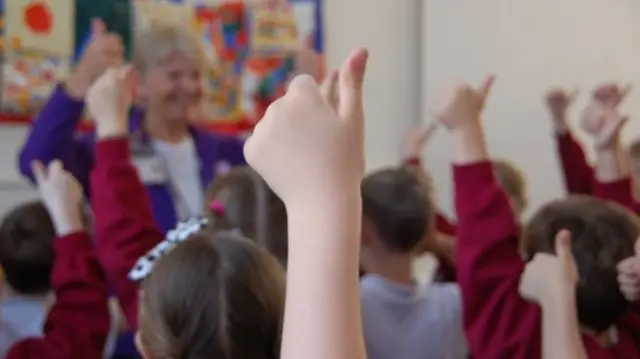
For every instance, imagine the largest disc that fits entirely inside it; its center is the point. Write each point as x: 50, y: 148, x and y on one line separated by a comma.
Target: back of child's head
x: 397, y: 204
x: 241, y: 200
x: 26, y: 249
x: 513, y: 182
x: 215, y: 295
x: 603, y: 234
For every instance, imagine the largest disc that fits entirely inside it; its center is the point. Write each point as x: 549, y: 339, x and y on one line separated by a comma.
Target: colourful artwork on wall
x: 251, y: 47
x: 40, y: 26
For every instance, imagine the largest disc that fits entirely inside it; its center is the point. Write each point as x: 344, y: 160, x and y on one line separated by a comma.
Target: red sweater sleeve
x: 498, y: 323
x: 78, y: 323
x: 578, y: 175
x: 124, y: 223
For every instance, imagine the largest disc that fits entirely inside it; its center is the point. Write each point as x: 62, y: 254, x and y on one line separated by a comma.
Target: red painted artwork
x: 39, y: 18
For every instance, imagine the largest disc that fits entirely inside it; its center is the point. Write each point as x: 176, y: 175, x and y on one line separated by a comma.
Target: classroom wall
x: 530, y: 45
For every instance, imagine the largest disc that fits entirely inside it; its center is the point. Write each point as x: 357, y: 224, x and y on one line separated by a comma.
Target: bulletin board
x: 251, y: 44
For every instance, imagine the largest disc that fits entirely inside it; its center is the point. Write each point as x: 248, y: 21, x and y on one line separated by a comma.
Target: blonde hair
x: 160, y: 39
x: 512, y: 181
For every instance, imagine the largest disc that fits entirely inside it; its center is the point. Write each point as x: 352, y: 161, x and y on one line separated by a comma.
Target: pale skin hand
x: 105, y: 50
x: 602, y: 121
x: 62, y: 194
x: 108, y: 101
x: 550, y: 281
x: 558, y: 101
x: 629, y: 275
x: 325, y: 144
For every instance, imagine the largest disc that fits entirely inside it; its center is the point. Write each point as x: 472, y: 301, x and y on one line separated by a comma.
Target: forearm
x: 610, y: 164
x: 322, y: 316
x: 561, y: 330
x: 470, y: 145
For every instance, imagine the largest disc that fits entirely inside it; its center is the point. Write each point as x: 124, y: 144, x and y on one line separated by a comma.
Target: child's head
x: 513, y: 182
x: 397, y: 208
x: 215, y: 295
x: 26, y: 249
x: 602, y: 235
x: 248, y: 205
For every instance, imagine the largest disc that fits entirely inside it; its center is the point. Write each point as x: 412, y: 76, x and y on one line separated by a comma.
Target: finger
x: 563, y: 245
x: 626, y: 265
x: 428, y: 131
x: 98, y: 28
x: 628, y: 280
x: 573, y: 95
x: 55, y: 167
x: 487, y: 85
x: 39, y: 172
x: 350, y: 83
x: 329, y: 87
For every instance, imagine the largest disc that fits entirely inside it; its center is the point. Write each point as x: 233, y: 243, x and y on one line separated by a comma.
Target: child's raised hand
x: 109, y: 99
x: 629, y: 276
x: 548, y: 276
x: 418, y: 138
x: 603, y: 124
x: 558, y: 101
x: 303, y: 147
x: 610, y: 95
x: 62, y: 194
x: 463, y: 104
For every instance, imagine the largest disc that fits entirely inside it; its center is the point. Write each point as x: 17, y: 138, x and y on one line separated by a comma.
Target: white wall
x: 390, y: 29
x: 531, y: 45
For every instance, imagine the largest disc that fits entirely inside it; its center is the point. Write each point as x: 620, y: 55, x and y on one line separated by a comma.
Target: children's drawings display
x: 251, y: 47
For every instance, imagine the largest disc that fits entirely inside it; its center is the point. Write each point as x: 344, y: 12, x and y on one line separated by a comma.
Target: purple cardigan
x: 53, y: 136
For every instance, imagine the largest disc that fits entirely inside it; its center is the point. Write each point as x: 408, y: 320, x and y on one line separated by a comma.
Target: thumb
x: 350, y: 82
x: 563, y: 246
x: 98, y: 28
x: 486, y: 86
x: 329, y: 87
x: 39, y: 172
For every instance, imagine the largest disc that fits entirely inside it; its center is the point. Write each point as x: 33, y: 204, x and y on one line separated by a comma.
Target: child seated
x: 241, y: 201
x: 498, y: 323
x: 26, y: 256
x: 403, y: 319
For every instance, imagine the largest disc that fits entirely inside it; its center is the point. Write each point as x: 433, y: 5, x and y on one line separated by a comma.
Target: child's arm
x: 78, y: 323
x: 550, y: 281
x: 498, y: 323
x: 324, y: 208
x: 124, y: 223
x: 577, y: 173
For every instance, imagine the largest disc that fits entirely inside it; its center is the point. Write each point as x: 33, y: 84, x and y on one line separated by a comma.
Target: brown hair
x: 513, y: 182
x: 251, y: 207
x: 215, y: 295
x: 398, y: 204
x: 26, y: 248
x: 603, y: 233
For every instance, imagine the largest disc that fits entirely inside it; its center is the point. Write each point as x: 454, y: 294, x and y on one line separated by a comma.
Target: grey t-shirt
x: 412, y: 322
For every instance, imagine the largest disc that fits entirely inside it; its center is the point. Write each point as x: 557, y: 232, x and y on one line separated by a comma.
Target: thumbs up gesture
x: 108, y: 101
x: 303, y: 147
x: 103, y: 51
x: 629, y: 276
x: 463, y: 104
x: 547, y: 276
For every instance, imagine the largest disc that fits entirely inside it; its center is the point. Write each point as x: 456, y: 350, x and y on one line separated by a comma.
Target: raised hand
x: 629, y: 276
x: 62, y: 194
x: 610, y: 95
x: 303, y: 147
x: 463, y: 104
x: 558, y: 101
x: 108, y: 101
x: 418, y: 138
x: 104, y: 50
x: 548, y: 276
x: 603, y: 124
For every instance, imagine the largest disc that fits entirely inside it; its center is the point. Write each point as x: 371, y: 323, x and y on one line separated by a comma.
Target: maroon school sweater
x: 577, y: 174
x: 498, y: 323
x: 124, y: 223
x: 78, y: 323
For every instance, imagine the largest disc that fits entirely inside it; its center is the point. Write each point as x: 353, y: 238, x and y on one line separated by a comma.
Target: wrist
x: 469, y: 143
x: 77, y: 85
x: 560, y: 126
x: 111, y: 128
x: 66, y: 222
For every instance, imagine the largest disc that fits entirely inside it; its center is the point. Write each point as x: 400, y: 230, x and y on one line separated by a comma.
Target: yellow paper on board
x: 147, y: 12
